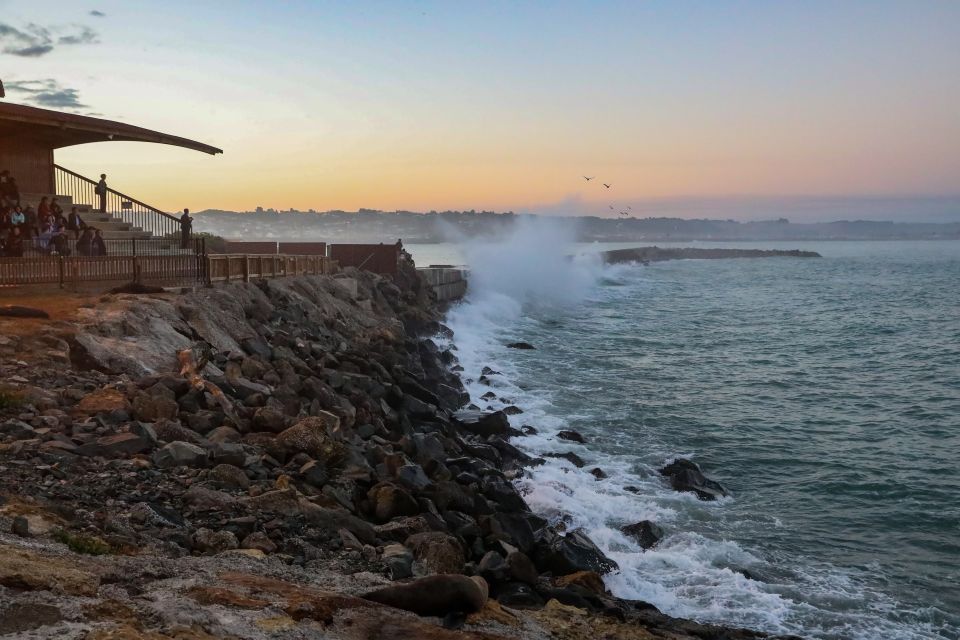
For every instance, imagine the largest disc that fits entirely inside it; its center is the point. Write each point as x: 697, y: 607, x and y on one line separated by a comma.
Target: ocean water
x: 823, y: 393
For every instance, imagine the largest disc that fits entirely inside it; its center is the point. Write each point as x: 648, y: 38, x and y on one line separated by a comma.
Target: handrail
x: 117, y: 193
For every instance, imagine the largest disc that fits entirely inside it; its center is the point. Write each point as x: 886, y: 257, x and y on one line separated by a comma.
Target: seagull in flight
x: 611, y: 207
x: 624, y: 213
x: 606, y: 185
x: 589, y: 179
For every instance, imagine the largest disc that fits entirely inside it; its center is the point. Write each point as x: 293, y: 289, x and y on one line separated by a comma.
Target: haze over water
x: 824, y: 393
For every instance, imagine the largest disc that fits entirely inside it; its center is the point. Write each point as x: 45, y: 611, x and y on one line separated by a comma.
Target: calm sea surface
x: 824, y: 393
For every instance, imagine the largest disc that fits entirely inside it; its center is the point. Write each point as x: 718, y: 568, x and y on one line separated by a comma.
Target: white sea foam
x: 687, y: 574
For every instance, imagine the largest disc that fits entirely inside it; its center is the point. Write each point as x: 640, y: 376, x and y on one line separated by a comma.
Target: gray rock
x: 180, y: 454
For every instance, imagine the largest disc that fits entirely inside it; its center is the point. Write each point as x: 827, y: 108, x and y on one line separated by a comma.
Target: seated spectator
x: 61, y: 242
x: 43, y: 210
x: 55, y: 208
x: 5, y: 220
x: 44, y: 237
x: 17, y: 218
x: 85, y: 243
x: 99, y: 246
x: 32, y: 225
x: 9, y: 191
x: 13, y: 247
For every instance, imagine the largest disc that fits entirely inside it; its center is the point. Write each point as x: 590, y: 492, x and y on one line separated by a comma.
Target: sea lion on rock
x: 435, y: 595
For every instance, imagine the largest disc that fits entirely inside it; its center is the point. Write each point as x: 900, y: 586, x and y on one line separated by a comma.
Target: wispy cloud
x: 33, y: 40
x: 98, y: 14
x: 47, y: 93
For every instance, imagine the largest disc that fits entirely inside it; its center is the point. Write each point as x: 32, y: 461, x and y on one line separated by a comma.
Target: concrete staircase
x: 111, y: 227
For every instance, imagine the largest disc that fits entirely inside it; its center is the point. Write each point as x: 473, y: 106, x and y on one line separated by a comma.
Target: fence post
x: 136, y: 268
x: 61, y: 270
x: 246, y: 268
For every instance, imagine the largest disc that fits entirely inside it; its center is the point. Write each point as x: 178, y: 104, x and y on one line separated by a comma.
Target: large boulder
x: 389, y: 501
x: 686, y: 476
x: 564, y: 554
x: 484, y: 424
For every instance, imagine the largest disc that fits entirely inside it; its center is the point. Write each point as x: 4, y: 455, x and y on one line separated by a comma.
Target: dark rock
x: 260, y: 541
x: 512, y: 410
x: 209, y: 541
x: 17, y: 311
x: 20, y: 527
x: 435, y: 595
x: 563, y: 554
x: 390, y: 501
x: 436, y: 552
x: 686, y: 476
x: 158, y: 403
x: 227, y: 476
x: 270, y: 419
x: 484, y: 424
x: 570, y: 456
x: 572, y: 436
x: 17, y: 430
x: 399, y: 561
x: 227, y: 453
x: 518, y: 595
x: 527, y: 430
x: 493, y: 567
x: 521, y: 567
x: 598, y: 473
x: 180, y: 454
x: 412, y: 477
x: 645, y: 532
x: 118, y: 445
x: 315, y: 473
x: 520, y: 345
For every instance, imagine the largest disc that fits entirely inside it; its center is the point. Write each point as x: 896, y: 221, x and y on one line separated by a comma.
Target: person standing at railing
x: 101, y: 191
x: 186, y: 228
x: 85, y: 243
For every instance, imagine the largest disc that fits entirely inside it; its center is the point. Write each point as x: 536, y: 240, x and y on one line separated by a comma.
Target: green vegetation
x: 79, y: 543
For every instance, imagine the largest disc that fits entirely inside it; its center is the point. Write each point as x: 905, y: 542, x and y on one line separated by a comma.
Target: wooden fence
x: 378, y: 258
x: 226, y: 268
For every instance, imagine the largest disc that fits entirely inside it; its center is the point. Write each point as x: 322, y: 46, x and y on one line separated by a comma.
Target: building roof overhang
x: 56, y: 129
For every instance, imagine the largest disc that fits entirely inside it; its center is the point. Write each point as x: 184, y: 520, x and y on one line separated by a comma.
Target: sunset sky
x: 501, y: 105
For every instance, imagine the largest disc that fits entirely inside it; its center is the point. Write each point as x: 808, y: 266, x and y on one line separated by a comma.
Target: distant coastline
x: 427, y: 228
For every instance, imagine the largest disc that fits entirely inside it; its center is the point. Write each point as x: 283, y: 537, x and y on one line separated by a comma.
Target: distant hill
x: 379, y: 226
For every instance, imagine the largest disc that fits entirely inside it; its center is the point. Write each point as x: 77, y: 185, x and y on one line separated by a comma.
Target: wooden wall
x: 30, y: 163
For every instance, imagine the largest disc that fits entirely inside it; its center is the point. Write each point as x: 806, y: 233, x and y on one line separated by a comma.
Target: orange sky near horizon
x: 505, y: 106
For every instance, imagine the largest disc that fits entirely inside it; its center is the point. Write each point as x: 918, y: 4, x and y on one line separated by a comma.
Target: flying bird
x: 624, y: 213
x: 606, y: 185
x: 611, y: 207
x: 589, y: 179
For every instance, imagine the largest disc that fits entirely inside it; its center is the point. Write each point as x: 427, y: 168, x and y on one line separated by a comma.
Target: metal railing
x: 140, y: 215
x: 179, y: 270
x: 69, y: 244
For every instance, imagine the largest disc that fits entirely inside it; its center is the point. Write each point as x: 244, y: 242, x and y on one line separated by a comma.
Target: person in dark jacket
x: 85, y: 243
x: 98, y: 246
x: 101, y: 191
x: 9, y: 191
x: 186, y: 228
x: 74, y: 222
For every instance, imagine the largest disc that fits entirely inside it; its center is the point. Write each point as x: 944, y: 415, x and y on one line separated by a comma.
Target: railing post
x: 60, y: 268
x: 246, y: 268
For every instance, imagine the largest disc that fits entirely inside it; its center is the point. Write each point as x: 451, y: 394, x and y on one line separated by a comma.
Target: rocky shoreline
x: 289, y: 458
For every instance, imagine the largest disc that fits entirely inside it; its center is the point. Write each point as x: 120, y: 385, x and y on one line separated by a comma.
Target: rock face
x: 686, y: 476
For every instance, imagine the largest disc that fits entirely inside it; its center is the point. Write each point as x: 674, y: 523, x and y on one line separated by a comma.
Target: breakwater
x: 660, y: 254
